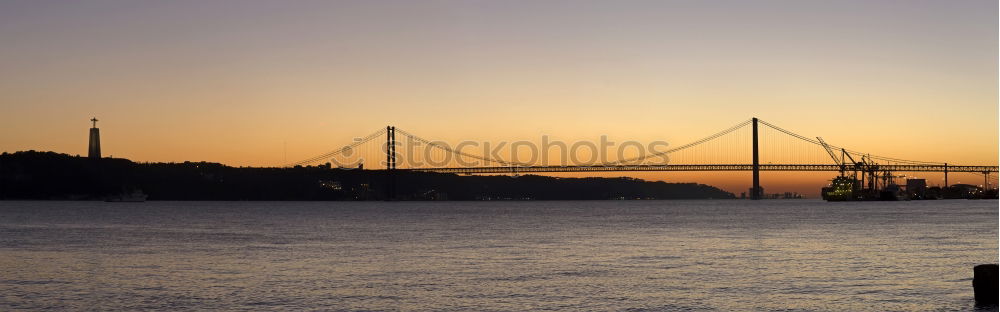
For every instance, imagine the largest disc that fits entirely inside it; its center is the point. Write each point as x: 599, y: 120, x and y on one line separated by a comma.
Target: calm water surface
x: 798, y: 255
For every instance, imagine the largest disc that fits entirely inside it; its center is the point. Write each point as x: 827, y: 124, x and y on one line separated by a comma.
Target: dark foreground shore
x: 49, y: 175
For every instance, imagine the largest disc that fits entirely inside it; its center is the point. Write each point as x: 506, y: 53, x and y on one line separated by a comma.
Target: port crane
x: 870, y: 172
x: 839, y: 163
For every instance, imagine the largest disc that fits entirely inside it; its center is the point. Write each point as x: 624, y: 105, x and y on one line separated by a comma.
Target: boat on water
x: 132, y: 197
x: 842, y: 189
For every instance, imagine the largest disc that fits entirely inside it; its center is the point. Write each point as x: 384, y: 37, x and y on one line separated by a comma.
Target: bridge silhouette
x: 741, y: 147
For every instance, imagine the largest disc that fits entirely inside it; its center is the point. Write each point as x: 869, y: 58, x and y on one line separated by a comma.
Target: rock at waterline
x: 984, y: 283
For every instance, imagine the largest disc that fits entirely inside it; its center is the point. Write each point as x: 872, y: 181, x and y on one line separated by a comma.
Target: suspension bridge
x: 753, y: 145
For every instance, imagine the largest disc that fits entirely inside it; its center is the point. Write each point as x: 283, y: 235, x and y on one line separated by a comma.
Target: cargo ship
x: 842, y: 189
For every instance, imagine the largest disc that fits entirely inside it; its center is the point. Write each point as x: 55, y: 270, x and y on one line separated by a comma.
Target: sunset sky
x: 245, y: 82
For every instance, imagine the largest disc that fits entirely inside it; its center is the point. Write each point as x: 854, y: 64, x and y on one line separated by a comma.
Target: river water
x: 772, y: 255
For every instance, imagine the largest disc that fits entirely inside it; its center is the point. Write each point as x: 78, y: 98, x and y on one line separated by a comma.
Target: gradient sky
x: 237, y: 81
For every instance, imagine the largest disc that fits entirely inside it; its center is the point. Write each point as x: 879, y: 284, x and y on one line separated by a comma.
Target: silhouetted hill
x: 49, y: 175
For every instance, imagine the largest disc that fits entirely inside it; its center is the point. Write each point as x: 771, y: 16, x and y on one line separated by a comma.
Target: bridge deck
x: 720, y: 167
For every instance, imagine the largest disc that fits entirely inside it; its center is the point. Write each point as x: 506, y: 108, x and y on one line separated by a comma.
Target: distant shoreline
x: 37, y: 175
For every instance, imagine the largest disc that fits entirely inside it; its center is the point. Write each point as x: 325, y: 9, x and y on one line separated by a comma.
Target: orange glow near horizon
x: 260, y: 83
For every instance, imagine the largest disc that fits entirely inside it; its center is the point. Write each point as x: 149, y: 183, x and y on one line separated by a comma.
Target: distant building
x: 917, y: 188
x: 965, y: 189
x: 791, y: 195
x: 95, y: 141
x: 760, y: 192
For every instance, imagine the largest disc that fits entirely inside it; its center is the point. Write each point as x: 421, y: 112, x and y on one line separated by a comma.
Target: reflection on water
x: 597, y: 255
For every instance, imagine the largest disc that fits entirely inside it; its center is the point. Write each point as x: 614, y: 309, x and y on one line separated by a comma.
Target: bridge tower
x: 390, y: 162
x: 945, y: 175
x: 755, y: 190
x: 94, y: 152
x: 390, y: 148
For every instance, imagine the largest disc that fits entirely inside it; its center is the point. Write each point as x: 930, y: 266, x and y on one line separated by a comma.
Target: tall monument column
x: 95, y: 141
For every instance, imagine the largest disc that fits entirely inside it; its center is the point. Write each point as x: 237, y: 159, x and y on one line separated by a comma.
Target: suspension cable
x: 889, y: 159
x: 460, y: 153
x: 685, y: 146
x: 340, y: 150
